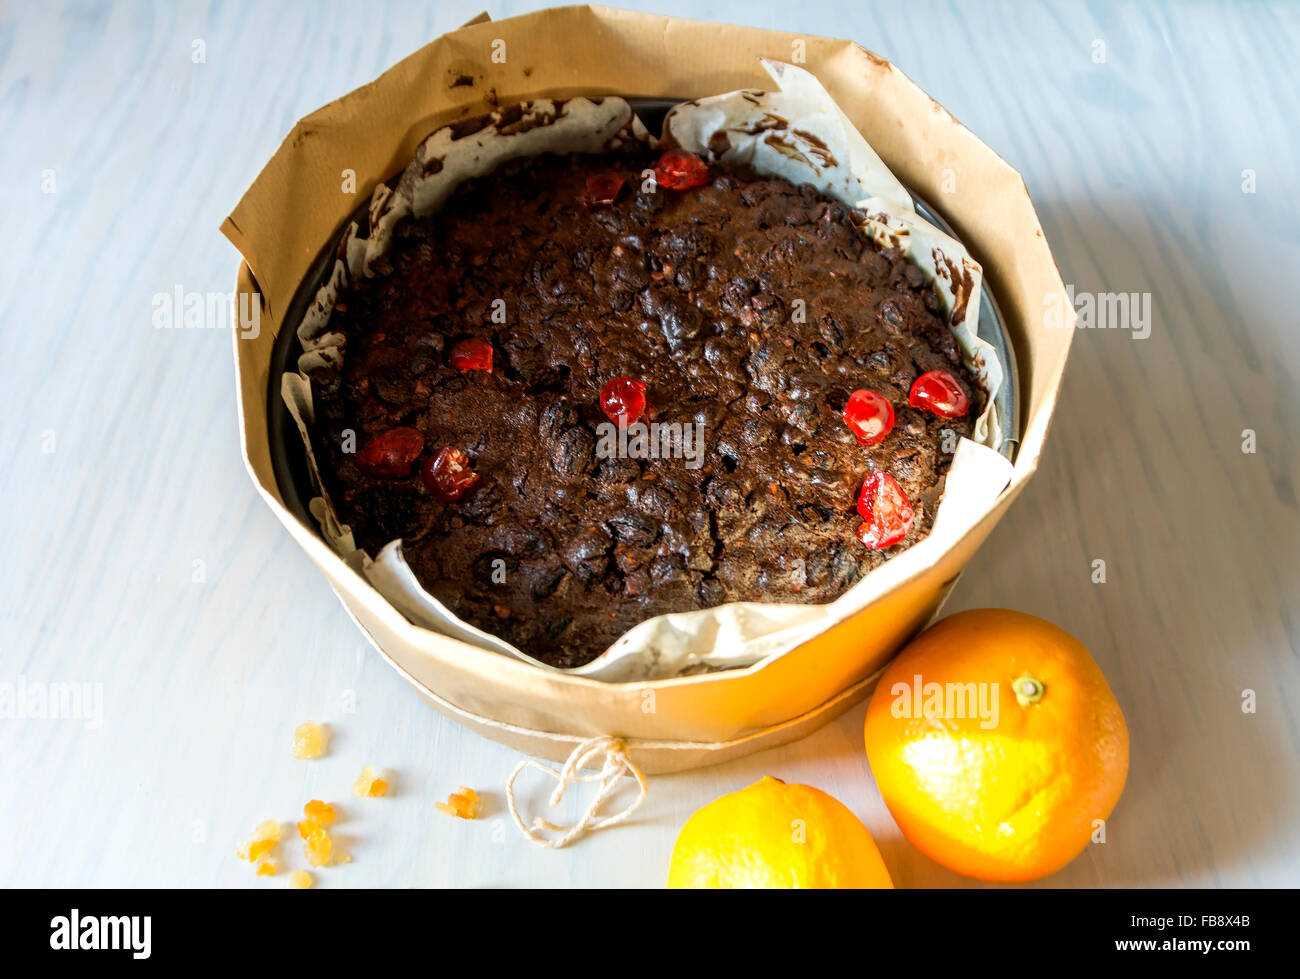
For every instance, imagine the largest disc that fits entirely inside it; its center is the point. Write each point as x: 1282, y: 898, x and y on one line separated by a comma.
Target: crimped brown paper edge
x: 992, y: 214
x: 653, y: 757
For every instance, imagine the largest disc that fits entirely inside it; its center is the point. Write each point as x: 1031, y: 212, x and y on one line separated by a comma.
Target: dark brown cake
x: 697, y: 294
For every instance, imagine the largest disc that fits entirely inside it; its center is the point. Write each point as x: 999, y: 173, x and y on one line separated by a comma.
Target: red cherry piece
x: 885, y: 510
x: 623, y: 400
x: 448, y: 475
x: 391, y: 453
x: 679, y: 170
x: 939, y: 392
x: 602, y: 190
x: 869, y: 416
x: 472, y: 355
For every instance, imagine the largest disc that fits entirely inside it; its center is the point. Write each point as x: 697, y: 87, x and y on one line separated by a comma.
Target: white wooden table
x: 140, y: 561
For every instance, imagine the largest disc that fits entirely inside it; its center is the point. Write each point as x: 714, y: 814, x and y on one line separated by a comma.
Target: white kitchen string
x: 616, y: 764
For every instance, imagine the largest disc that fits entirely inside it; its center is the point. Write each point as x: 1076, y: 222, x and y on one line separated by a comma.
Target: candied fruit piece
x: 265, y: 836
x: 886, y: 511
x: 258, y: 849
x: 391, y: 453
x: 361, y: 787
x: 306, y: 827
x: 268, y: 830
x: 368, y: 785
x: 308, y: 740
x: 602, y: 189
x: 869, y: 416
x: 267, y: 868
x: 941, y: 393
x: 472, y: 355
x: 318, y: 847
x: 680, y: 170
x: 623, y: 400
x: 321, y: 812
x: 448, y: 475
x: 300, y: 880
x: 464, y: 803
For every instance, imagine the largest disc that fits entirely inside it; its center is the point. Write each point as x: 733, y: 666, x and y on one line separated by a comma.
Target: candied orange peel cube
x: 265, y: 837
x: 367, y: 784
x: 321, y: 812
x: 300, y: 880
x: 464, y: 803
x: 267, y: 868
x: 316, y: 815
x: 309, y: 740
x: 268, y: 830
x: 318, y: 847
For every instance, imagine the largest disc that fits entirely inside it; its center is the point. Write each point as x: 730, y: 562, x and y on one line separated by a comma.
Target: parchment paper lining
x: 798, y: 133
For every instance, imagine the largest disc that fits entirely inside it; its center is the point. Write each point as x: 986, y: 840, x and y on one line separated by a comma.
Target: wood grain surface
x: 141, y: 563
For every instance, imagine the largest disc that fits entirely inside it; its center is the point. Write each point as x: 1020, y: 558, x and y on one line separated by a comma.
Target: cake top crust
x: 748, y: 311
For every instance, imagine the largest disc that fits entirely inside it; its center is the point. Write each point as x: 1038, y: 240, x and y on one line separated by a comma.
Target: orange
x: 774, y: 835
x: 1010, y: 787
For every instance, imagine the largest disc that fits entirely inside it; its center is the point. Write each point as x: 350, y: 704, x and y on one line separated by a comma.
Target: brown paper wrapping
x: 297, y: 204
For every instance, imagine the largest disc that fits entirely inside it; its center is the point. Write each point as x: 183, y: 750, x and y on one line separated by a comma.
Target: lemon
x: 774, y: 835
